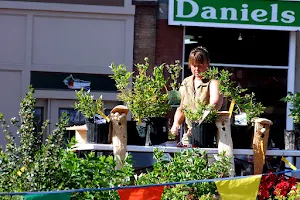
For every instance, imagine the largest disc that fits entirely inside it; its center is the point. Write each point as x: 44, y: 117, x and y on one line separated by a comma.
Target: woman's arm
x: 178, y: 117
x: 216, y: 98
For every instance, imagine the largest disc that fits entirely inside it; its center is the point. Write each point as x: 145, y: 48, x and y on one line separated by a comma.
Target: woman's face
x: 197, y: 69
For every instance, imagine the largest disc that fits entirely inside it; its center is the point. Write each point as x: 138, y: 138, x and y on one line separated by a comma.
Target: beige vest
x: 191, y: 97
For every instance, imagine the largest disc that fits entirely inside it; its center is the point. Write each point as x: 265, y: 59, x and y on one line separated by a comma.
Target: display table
x: 166, y: 149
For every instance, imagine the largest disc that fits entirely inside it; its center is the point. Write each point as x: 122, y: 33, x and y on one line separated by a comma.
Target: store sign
x: 252, y: 14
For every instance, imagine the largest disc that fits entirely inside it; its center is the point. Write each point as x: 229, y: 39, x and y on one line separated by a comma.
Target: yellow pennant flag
x: 288, y: 163
x: 231, y: 107
x: 239, y: 189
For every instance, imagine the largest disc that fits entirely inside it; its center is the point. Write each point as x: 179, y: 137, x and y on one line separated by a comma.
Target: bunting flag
x: 239, y: 189
x: 57, y: 196
x: 288, y: 163
x: 149, y: 193
x: 231, y: 188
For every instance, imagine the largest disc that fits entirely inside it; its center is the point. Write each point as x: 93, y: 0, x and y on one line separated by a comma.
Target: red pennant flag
x: 149, y: 193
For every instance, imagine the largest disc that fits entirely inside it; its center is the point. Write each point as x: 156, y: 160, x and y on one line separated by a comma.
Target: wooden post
x: 260, y: 143
x: 118, y: 131
x: 224, y: 137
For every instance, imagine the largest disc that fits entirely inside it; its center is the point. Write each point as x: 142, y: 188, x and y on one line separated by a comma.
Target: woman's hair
x: 199, y: 55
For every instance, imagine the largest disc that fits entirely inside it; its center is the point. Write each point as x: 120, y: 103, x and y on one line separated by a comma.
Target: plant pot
x: 96, y: 133
x: 133, y: 137
x: 203, y: 135
x: 242, y: 136
x: 297, y: 135
x: 158, y: 129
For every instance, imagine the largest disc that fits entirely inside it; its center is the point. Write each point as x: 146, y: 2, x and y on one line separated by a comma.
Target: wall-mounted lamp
x: 240, y: 38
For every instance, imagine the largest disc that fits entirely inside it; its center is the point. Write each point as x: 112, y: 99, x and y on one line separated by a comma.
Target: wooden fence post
x: 260, y: 143
x: 118, y: 131
x: 224, y: 137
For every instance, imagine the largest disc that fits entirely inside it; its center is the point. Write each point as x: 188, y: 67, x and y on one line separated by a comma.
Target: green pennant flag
x: 57, y: 196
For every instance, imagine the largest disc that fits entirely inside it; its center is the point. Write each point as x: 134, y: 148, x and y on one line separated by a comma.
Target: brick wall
x: 169, y: 42
x: 145, y: 32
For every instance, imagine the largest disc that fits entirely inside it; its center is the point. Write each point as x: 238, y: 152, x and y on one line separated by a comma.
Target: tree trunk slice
x: 119, y: 137
x: 260, y: 143
x: 224, y: 137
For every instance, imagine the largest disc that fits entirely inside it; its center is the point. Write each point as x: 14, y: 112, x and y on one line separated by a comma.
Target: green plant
x: 174, y: 95
x: 229, y: 89
x: 174, y: 70
x: 294, y: 99
x: 147, y: 97
x: 194, y: 115
x: 187, y: 165
x: 86, y: 104
x: 33, y: 166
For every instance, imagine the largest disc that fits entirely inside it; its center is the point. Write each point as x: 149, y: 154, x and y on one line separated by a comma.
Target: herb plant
x: 86, y: 104
x: 147, y: 97
x: 174, y: 71
x: 32, y: 166
x: 174, y: 95
x: 194, y: 115
x: 184, y: 166
x: 294, y: 99
x: 245, y: 102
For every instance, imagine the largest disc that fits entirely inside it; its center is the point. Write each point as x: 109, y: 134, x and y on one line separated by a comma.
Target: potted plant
x: 247, y: 108
x: 174, y: 95
x: 294, y: 100
x: 203, y: 132
x: 97, y: 128
x: 146, y: 98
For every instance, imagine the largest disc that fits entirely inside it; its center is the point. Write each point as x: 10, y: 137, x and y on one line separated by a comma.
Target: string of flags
x: 240, y: 187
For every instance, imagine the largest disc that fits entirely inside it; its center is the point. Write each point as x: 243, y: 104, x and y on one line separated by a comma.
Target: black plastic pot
x: 203, y: 135
x: 297, y: 135
x: 242, y: 136
x: 97, y: 133
x: 133, y: 137
x: 159, y: 129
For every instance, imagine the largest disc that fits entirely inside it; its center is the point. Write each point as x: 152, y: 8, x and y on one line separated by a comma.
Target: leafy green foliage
x: 174, y: 70
x: 146, y: 98
x: 86, y: 104
x: 229, y: 89
x: 33, y: 166
x: 294, y: 99
x: 195, y: 115
x: 184, y: 166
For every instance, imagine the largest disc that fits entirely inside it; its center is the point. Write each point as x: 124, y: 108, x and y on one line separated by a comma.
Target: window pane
x: 86, y: 2
x: 38, y: 119
x: 76, y: 117
x: 240, y: 46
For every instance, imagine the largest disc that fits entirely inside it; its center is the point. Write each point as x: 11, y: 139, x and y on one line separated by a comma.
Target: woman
x: 194, y: 88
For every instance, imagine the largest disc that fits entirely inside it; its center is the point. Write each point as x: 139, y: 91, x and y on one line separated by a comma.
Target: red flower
x: 263, y: 194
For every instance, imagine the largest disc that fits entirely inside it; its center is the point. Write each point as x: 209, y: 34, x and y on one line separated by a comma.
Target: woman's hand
x: 189, y: 132
x: 175, y: 129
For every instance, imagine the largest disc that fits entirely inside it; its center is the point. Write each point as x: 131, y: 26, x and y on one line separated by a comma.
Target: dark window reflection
x: 240, y: 46
x: 76, y: 117
x: 38, y: 120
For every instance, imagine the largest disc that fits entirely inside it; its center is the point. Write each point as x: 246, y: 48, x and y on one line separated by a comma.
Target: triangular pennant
x: 149, y: 193
x: 239, y: 189
x: 57, y: 196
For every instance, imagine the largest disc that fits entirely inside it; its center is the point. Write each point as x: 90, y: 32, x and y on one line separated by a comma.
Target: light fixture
x: 240, y: 38
x: 189, y: 39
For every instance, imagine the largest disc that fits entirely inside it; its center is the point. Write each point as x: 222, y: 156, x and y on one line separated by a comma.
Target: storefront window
x: 86, y: 2
x: 240, y: 46
x: 76, y: 117
x: 38, y: 119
